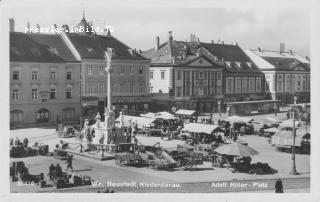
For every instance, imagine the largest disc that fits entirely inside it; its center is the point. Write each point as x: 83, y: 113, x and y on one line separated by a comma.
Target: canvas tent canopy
x: 233, y: 119
x: 200, y: 128
x: 289, y: 123
x: 185, y: 112
x: 271, y: 130
x: 285, y: 138
x: 159, y: 115
x: 141, y: 121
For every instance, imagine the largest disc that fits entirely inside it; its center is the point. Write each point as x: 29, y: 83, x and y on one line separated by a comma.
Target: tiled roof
x: 93, y: 47
x: 176, y: 53
x: 226, y: 52
x: 284, y: 54
x: 37, y: 47
x: 284, y: 63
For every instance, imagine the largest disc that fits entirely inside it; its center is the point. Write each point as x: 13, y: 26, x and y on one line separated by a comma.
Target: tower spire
x: 83, y: 14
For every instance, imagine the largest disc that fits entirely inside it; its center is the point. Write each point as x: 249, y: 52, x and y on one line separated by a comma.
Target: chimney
x: 65, y: 28
x: 291, y: 53
x: 307, y: 57
x: 212, y: 41
x: 198, y: 40
x: 170, y: 36
x: 236, y: 43
x: 140, y: 51
x: 157, y: 43
x: 222, y: 42
x: 11, y: 24
x: 282, y: 47
x: 259, y: 49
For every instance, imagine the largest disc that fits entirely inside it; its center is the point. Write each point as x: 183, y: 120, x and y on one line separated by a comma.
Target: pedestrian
x: 25, y: 142
x: 58, y: 171
x: 69, y: 162
x: 51, y: 171
x: 279, y: 186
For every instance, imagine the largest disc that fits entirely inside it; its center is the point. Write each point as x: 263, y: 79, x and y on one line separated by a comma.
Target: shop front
x: 131, y: 105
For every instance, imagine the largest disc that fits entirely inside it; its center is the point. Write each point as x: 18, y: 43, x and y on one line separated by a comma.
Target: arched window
x: 43, y: 115
x: 16, y: 116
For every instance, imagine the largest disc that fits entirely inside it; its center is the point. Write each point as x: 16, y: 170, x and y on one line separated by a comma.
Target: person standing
x: 279, y: 186
x: 69, y: 162
x: 51, y: 171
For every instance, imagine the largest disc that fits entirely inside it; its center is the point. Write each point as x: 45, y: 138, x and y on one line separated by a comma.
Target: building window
x: 258, y: 84
x: 244, y: 85
x: 52, y: 75
x: 15, y: 75
x: 68, y: 75
x: 68, y: 113
x: 179, y: 89
x: 52, y: 93
x: 90, y: 70
x: 267, y: 87
x: 219, y: 90
x: 89, y: 88
x: 34, y: 94
x: 69, y: 93
x: 151, y: 74
x: 218, y: 75
x: 229, y: 84
x: 122, y: 70
x: 131, y: 70
x: 15, y: 94
x: 141, y: 88
x: 140, y: 70
x: 251, y: 84
x: 178, y: 75
x: 151, y: 89
x: 121, y: 87
x: 43, y: 115
x: 16, y: 116
x: 279, y: 82
x: 101, y: 87
x: 35, y: 75
x: 287, y: 83
x: 101, y: 68
x: 304, y: 82
x: 131, y: 87
x: 238, y: 84
x: 162, y: 75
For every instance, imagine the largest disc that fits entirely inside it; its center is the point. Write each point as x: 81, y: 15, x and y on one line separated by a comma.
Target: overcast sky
x: 137, y: 24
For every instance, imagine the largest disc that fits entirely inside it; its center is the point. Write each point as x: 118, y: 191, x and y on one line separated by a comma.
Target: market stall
x: 140, y: 121
x: 283, y: 140
x: 187, y: 116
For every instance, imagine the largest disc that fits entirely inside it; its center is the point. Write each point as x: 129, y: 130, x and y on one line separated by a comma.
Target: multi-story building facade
x: 243, y: 79
x: 287, y: 73
x: 183, y: 76
x: 44, y: 80
x: 130, y: 73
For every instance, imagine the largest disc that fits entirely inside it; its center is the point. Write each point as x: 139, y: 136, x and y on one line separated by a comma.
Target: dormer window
x: 53, y: 51
x: 238, y: 64
x: 228, y: 63
x: 35, y: 51
x: 249, y: 64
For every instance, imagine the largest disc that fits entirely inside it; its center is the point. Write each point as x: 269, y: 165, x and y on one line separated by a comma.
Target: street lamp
x: 294, y: 171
